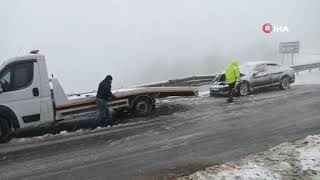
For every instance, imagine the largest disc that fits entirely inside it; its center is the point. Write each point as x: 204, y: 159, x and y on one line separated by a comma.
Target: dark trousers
x: 103, y: 115
x: 231, y: 91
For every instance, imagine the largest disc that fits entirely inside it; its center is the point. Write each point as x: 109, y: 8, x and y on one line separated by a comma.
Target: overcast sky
x: 143, y: 41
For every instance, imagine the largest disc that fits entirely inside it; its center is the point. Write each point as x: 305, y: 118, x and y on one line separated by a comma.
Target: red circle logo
x: 267, y: 28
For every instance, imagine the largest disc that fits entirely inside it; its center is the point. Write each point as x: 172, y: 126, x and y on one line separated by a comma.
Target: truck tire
x: 285, y: 83
x: 142, y: 106
x: 5, y: 131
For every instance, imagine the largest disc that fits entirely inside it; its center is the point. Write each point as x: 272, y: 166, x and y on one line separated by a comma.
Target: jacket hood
x: 235, y: 63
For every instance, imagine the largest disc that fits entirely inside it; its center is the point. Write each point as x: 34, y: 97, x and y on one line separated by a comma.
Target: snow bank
x: 230, y: 172
x: 46, y: 137
x: 297, y: 160
x: 310, y: 156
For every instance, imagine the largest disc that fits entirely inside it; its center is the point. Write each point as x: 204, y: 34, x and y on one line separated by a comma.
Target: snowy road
x: 184, y: 135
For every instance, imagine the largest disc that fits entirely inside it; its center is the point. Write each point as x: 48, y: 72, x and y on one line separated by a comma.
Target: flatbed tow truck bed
x: 139, y: 100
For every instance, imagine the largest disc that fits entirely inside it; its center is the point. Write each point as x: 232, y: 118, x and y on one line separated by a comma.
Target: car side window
x: 17, y: 76
x: 261, y: 68
x: 272, y: 67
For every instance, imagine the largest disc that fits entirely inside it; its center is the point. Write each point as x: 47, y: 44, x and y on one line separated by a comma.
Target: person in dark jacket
x: 104, y: 95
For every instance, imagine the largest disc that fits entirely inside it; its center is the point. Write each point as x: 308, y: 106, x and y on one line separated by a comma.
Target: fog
x: 144, y: 41
x: 305, y: 78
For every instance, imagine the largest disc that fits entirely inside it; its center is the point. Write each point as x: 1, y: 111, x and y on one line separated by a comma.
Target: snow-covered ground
x: 296, y: 160
x: 64, y: 133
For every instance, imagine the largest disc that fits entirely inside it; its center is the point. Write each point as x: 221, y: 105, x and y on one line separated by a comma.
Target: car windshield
x: 246, y: 68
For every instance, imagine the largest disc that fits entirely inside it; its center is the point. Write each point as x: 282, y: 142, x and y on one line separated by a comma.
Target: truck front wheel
x: 142, y: 106
x: 5, y: 131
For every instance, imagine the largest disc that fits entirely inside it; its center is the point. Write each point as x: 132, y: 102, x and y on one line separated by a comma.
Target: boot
x: 230, y: 100
x: 111, y: 122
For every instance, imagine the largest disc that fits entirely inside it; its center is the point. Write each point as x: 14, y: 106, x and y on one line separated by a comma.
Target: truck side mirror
x: 255, y: 73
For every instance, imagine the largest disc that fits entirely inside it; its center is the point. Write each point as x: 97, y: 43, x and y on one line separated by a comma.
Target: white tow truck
x: 29, y: 98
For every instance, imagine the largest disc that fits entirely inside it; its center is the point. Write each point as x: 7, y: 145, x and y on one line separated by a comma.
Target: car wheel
x: 285, y: 83
x: 244, y: 89
x: 5, y: 131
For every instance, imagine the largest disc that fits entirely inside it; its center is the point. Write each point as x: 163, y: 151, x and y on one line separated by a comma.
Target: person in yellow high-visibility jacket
x: 232, y: 74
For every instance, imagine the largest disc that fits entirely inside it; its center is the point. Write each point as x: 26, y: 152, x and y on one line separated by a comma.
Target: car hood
x: 244, y: 76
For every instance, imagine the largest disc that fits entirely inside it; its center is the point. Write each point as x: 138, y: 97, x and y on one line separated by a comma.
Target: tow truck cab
x: 29, y: 98
x: 25, y: 95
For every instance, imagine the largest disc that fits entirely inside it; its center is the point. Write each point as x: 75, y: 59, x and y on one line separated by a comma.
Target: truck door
x: 262, y: 77
x: 20, y: 84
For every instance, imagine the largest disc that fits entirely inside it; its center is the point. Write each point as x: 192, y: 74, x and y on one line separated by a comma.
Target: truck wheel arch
x: 149, y: 97
x: 8, y: 114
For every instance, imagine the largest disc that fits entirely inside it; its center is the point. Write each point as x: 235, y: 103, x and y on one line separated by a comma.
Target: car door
x: 275, y: 71
x: 262, y: 77
x: 20, y: 82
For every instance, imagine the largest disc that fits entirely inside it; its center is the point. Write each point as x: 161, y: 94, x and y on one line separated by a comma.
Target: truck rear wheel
x: 5, y: 131
x: 142, y: 106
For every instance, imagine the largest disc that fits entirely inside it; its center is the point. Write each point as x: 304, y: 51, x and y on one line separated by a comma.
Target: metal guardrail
x: 188, y: 81
x: 306, y: 67
x: 207, y: 79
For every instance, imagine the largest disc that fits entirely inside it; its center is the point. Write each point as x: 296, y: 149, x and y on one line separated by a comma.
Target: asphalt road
x: 184, y: 135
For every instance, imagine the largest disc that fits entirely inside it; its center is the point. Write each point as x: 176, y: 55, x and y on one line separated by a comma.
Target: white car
x: 254, y: 75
